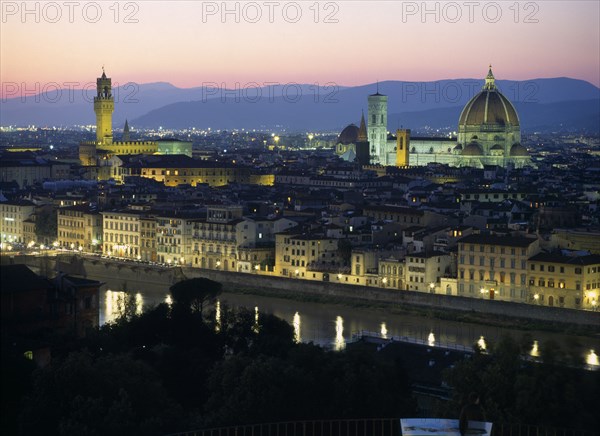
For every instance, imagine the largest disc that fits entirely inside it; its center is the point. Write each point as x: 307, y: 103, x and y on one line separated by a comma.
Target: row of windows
x: 121, y: 239
x: 502, y: 277
x: 552, y: 268
x: 492, y: 249
x: 128, y: 227
x: 492, y: 262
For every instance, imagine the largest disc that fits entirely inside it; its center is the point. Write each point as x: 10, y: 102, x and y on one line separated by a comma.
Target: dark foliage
x: 514, y: 390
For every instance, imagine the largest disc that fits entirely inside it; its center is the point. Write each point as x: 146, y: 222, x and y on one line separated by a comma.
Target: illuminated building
x: 561, y: 280
x: 495, y: 267
x: 79, y: 228
x: 13, y: 215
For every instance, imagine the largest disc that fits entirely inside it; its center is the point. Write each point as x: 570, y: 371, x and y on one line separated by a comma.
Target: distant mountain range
x: 558, y: 104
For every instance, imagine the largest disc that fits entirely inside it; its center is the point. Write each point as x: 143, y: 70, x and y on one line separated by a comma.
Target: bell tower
x: 377, y: 131
x: 104, y: 105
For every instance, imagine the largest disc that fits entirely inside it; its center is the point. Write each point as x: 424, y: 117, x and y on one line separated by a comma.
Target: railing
x: 364, y: 427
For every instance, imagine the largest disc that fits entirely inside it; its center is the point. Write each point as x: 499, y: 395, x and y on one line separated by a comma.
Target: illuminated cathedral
x: 489, y: 133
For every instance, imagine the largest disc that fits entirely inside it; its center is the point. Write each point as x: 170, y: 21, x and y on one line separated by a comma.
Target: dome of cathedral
x: 489, y: 107
x: 497, y: 147
x: 518, y: 150
x: 349, y: 135
x: 473, y: 149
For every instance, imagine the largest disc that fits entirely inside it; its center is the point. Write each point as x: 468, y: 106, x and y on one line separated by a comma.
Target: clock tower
x: 104, y: 105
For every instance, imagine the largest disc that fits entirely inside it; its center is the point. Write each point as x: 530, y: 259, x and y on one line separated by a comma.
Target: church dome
x: 497, y: 147
x: 473, y: 149
x: 349, y: 135
x: 518, y: 150
x: 489, y: 107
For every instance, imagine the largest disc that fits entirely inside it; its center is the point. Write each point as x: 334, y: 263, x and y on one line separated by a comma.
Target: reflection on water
x: 296, y: 324
x: 340, y: 342
x: 535, y: 352
x: 139, y: 304
x: 384, y: 330
x: 431, y: 339
x: 316, y: 323
x: 117, y: 303
x: 218, y: 316
x: 255, y: 327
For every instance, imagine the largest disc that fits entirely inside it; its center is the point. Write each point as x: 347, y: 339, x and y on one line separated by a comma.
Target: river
x: 332, y: 325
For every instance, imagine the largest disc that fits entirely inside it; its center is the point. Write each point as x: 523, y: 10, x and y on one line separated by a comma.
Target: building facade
x: 13, y: 215
x: 495, y: 267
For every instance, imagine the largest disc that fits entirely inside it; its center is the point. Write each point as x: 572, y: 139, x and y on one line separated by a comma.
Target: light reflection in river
x: 218, y: 316
x: 340, y: 342
x: 431, y: 339
x: 296, y: 324
x: 317, y: 326
x: 115, y: 304
x: 384, y: 330
x: 535, y: 352
x: 256, y: 326
x: 592, y: 359
x: 139, y: 304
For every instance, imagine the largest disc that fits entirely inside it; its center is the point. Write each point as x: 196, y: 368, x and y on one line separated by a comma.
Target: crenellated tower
x: 104, y: 106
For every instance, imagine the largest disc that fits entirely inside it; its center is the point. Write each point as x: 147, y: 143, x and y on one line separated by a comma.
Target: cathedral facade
x: 489, y: 133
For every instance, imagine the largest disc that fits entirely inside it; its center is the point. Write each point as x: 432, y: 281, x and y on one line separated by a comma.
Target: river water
x: 333, y: 325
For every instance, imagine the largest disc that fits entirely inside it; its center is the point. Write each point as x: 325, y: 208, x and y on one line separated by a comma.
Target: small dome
x: 518, y: 150
x: 473, y: 149
x: 458, y: 147
x: 349, y: 135
x: 497, y: 147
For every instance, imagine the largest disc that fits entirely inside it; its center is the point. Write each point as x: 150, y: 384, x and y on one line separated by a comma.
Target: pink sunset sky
x: 353, y: 42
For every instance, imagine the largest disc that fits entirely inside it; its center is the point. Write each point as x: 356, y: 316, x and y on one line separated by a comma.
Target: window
x: 533, y: 267
x: 577, y: 270
x: 550, y: 268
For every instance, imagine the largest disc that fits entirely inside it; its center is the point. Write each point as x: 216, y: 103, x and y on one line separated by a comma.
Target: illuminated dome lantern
x: 489, y: 131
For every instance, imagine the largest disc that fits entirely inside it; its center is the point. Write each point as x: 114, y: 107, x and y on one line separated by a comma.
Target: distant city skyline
x: 191, y: 43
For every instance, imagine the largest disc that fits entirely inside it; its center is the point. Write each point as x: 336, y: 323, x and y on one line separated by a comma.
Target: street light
x: 431, y: 287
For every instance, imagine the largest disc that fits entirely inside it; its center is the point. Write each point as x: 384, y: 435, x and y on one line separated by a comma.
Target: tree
x: 344, y: 250
x: 192, y: 294
x: 46, y: 224
x: 126, y: 304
